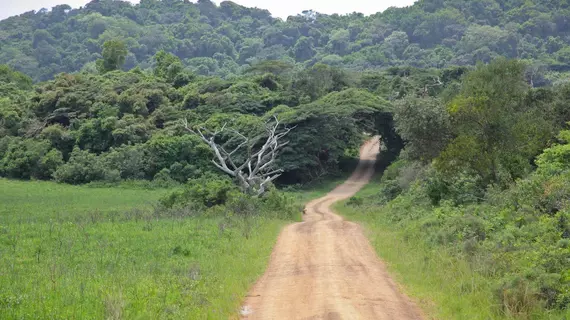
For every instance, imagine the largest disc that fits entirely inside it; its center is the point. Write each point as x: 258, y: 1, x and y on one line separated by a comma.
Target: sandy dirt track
x: 325, y: 268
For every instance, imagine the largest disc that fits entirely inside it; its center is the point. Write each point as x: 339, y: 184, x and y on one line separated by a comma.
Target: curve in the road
x: 325, y: 268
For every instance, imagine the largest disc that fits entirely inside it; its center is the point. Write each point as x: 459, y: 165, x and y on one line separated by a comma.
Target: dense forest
x: 225, y: 40
x: 471, y: 99
x: 117, y: 125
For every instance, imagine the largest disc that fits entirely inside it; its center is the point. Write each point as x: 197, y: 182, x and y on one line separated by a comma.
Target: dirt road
x: 325, y: 268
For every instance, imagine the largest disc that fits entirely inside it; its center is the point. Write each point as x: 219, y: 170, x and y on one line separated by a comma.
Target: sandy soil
x: 325, y: 268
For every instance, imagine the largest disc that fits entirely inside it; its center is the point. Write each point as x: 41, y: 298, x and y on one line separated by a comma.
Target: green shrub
x: 82, y: 167
x: 392, y: 172
x: 209, y: 190
x: 27, y: 158
x: 244, y: 205
x: 556, y: 158
x: 463, y: 188
x: 513, y: 233
x: 355, y: 201
x: 129, y: 161
x: 49, y: 163
x: 280, y: 205
x: 163, y: 179
x: 517, y: 296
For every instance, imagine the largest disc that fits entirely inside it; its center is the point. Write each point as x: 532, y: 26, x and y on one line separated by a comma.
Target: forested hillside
x: 224, y: 40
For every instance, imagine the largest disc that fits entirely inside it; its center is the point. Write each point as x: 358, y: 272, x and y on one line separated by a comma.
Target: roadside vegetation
x: 474, y: 216
x: 69, y: 252
x: 444, y: 281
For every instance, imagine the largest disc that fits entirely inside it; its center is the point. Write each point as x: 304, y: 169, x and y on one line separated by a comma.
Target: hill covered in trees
x: 224, y: 40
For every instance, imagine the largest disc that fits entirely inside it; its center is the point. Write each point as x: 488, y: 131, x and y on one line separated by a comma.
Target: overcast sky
x: 279, y: 8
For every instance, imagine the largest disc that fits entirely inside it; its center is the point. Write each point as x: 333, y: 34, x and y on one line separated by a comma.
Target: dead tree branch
x: 258, y: 169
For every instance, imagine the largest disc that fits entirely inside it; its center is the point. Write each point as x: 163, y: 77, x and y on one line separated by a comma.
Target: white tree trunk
x: 258, y: 170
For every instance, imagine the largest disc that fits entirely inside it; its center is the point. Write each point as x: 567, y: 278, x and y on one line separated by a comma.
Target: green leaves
x: 425, y: 126
x: 556, y: 158
x: 27, y: 158
x: 114, y: 54
x: 223, y: 40
x: 168, y: 66
x: 491, y: 122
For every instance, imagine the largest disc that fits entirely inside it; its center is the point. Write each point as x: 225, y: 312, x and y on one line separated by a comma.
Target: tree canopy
x: 224, y: 40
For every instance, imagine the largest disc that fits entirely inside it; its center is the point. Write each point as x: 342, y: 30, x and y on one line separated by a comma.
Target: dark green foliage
x: 129, y: 122
x: 18, y: 79
x: 497, y: 132
x: 328, y: 131
x: 208, y: 190
x: 185, y: 156
x: 517, y: 238
x: 222, y: 40
x: 214, y: 195
x: 27, y: 158
x: 425, y: 126
x: 130, y: 161
x: 82, y: 167
x: 10, y: 117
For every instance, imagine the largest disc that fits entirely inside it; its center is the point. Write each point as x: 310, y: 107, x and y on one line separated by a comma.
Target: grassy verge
x: 90, y: 253
x: 444, y: 285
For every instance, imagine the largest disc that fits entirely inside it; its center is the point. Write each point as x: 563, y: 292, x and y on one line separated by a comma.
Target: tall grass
x: 71, y: 252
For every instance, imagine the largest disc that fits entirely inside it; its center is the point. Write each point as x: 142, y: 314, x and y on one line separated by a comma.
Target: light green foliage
x: 270, y: 66
x: 78, y: 252
x: 13, y: 87
x: 114, y: 54
x: 556, y: 158
x: 478, y: 37
x: 9, y: 117
x: 320, y: 80
x: 167, y: 65
x: 10, y: 76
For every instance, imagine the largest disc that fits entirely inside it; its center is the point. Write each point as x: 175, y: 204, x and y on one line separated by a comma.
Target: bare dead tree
x: 258, y: 169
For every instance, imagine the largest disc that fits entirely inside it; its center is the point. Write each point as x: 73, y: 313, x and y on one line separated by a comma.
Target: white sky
x: 279, y: 8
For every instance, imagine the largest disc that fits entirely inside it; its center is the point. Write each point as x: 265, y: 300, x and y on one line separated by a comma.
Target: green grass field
x: 444, y: 285
x: 71, y: 252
